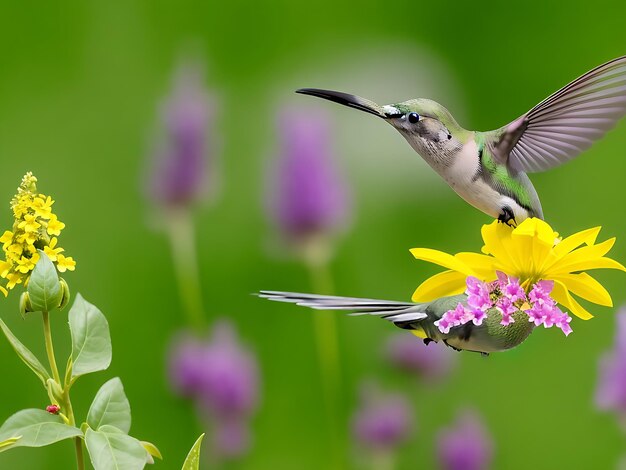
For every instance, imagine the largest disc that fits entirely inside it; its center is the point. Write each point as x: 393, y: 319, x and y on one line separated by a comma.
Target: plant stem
x: 67, y: 404
x: 183, y: 245
x: 382, y: 461
x: 78, y: 444
x: 47, y: 333
x: 328, y: 353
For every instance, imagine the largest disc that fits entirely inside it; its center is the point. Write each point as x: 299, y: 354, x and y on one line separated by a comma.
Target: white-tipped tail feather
x: 396, y: 312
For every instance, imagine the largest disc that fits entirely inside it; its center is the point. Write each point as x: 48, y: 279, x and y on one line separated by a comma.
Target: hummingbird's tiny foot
x: 427, y: 341
x: 484, y: 354
x: 507, y: 217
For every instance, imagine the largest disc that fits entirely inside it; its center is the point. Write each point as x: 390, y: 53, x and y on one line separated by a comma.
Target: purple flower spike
x: 430, y: 362
x: 179, y: 177
x: 611, y: 388
x: 384, y: 420
x: 221, y: 376
x: 465, y: 446
x: 230, y: 374
x: 307, y: 196
x: 185, y: 366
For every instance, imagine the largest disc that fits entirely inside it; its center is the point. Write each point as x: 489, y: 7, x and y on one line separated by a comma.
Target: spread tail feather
x: 396, y: 312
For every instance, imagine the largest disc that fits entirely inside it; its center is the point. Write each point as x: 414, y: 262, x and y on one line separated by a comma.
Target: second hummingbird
x: 488, y: 169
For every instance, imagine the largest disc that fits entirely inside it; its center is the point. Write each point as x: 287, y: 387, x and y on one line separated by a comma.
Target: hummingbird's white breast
x: 463, y: 174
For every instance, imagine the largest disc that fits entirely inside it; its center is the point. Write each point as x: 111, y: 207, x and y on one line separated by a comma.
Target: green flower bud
x: 25, y: 306
x: 65, y: 299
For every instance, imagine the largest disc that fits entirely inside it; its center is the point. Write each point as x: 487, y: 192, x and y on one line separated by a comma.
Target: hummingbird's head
x: 425, y: 124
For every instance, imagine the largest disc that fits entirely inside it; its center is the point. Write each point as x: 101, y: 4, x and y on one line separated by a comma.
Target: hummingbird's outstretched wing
x: 567, y: 122
x: 396, y: 312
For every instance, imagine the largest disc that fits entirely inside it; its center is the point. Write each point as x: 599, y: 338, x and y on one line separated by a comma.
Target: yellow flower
x: 5, y: 266
x: 42, y: 206
x: 25, y: 264
x: 6, y: 238
x: 65, y: 263
x: 14, y: 279
x: 531, y: 252
x: 29, y: 223
x: 51, y: 251
x: 55, y: 225
x: 34, y: 224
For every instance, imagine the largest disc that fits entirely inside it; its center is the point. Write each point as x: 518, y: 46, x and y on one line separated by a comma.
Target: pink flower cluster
x: 508, y: 297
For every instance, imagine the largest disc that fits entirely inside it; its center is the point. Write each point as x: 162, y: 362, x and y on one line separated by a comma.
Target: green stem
x: 383, y: 461
x: 78, y: 445
x: 325, y: 327
x: 47, y: 333
x: 183, y: 245
x: 67, y: 404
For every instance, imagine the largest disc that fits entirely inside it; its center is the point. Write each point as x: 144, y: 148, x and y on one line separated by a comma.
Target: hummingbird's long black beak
x: 346, y: 99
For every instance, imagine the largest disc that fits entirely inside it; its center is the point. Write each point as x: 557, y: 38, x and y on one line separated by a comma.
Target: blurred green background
x: 80, y: 83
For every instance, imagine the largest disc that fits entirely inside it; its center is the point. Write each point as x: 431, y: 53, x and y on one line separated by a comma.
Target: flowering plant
x: 527, y: 269
x: 33, y: 259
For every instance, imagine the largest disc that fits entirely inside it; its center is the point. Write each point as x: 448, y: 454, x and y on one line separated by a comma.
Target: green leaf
x: 110, y: 407
x: 44, y: 289
x: 112, y: 449
x: 91, y: 342
x: 35, y: 428
x: 25, y: 354
x: 192, y: 462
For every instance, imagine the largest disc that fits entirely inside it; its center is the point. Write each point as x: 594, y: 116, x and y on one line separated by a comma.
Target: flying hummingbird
x: 486, y: 338
x: 488, y: 169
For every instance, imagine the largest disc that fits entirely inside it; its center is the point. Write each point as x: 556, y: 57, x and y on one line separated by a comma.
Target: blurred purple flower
x: 222, y: 378
x: 465, y: 446
x: 179, y: 175
x: 307, y: 196
x: 611, y: 391
x: 383, y: 421
x: 430, y: 362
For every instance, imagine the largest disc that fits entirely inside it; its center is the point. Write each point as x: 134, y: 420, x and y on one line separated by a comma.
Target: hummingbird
x: 489, y: 169
x: 420, y: 319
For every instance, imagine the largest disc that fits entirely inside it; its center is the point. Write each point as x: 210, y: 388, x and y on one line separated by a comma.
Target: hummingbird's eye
x: 413, y: 118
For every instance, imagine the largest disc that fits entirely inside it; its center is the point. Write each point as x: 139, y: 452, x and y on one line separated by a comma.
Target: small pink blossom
x: 541, y: 292
x: 537, y: 314
x: 444, y: 324
x: 478, y: 316
x: 507, y: 309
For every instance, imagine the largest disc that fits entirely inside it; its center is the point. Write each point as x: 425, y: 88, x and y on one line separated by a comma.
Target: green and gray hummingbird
x: 489, y: 169
x: 420, y: 319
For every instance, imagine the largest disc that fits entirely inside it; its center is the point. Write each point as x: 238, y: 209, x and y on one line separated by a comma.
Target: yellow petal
x: 536, y: 229
x: 497, y: 238
x: 562, y: 296
x: 585, y: 265
x: 440, y: 285
x: 442, y: 259
x: 574, y: 241
x: 534, y: 241
x: 482, y: 265
x: 572, y: 260
x: 585, y: 286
